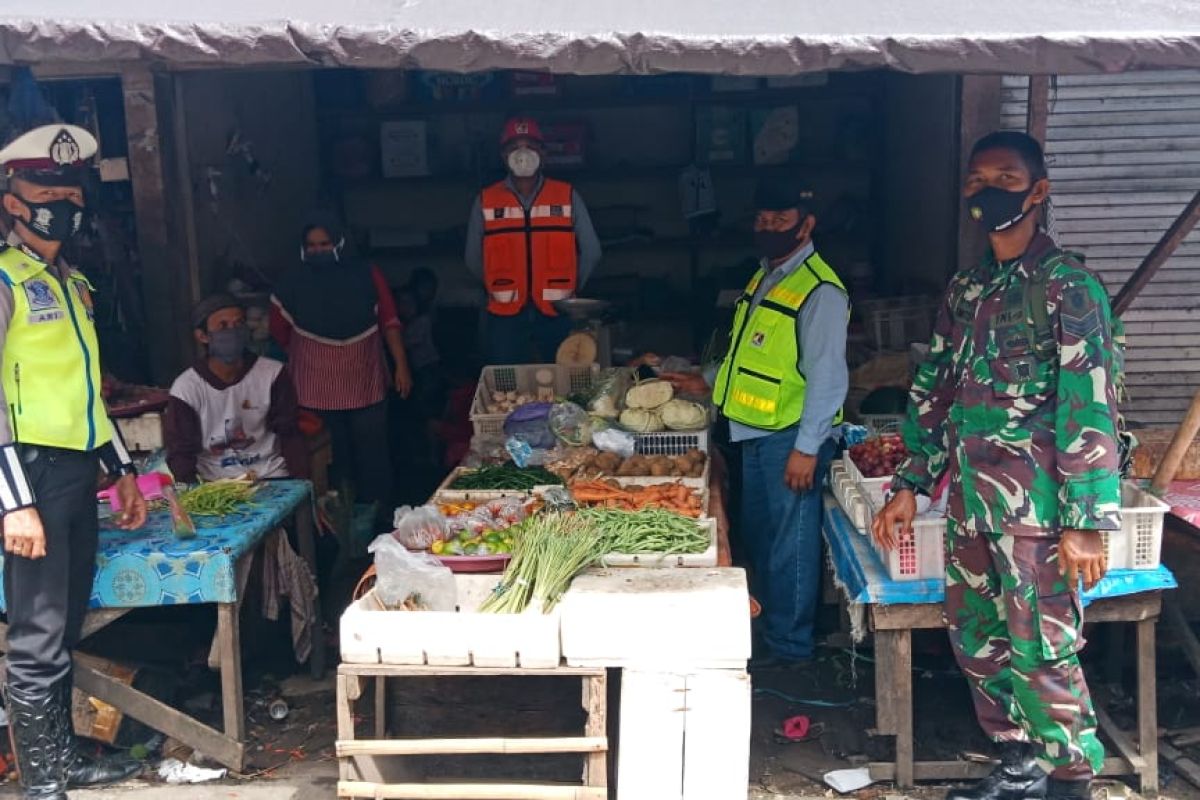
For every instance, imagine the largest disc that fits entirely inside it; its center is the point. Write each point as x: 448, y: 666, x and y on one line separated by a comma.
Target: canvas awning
x: 736, y: 37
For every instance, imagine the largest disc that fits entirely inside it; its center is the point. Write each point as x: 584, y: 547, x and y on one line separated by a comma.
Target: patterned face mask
x: 998, y: 209
x: 56, y: 221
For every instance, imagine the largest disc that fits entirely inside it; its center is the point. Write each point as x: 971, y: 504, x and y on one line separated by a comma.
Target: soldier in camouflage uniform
x: 1018, y: 402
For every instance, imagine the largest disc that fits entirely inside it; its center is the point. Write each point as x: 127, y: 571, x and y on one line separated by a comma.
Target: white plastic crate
x: 873, y: 489
x: 919, y: 554
x: 445, y: 494
x: 450, y: 638
x: 522, y: 378
x: 706, y: 559
x: 1138, y: 545
x: 893, y: 323
x: 671, y: 443
x: 879, y: 424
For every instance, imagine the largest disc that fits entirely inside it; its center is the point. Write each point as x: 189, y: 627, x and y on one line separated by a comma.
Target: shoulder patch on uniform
x: 1079, y: 313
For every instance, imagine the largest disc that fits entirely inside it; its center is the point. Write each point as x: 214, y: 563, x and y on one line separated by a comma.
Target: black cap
x: 212, y: 304
x: 781, y: 195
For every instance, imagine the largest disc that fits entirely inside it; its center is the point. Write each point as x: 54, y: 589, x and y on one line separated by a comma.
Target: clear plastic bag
x: 418, y: 528
x: 411, y: 581
x: 571, y: 424
x: 616, y: 441
x: 608, y: 391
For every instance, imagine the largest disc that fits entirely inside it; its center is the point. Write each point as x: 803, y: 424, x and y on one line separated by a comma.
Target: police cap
x: 51, y: 155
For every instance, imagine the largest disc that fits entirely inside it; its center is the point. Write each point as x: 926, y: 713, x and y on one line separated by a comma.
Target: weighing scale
x: 590, y: 341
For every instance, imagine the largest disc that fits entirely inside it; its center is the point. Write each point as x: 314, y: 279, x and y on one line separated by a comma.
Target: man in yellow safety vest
x: 54, y: 438
x: 781, y: 386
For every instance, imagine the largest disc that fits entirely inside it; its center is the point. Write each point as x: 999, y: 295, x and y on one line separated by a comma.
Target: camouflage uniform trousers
x: 1016, y: 630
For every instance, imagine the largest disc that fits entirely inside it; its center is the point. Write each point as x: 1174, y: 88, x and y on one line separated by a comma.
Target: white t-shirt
x: 233, y: 423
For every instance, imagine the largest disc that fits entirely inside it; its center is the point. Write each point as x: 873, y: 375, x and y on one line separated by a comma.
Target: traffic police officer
x: 54, y: 439
x: 1018, y: 401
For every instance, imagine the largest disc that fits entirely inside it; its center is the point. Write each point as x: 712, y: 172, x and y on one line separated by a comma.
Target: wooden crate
x: 450, y: 638
x: 364, y: 764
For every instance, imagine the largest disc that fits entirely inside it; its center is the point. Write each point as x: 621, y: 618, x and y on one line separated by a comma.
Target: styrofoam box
x: 690, y: 618
x: 444, y: 494
x: 451, y: 639
x: 1138, y: 545
x: 706, y: 559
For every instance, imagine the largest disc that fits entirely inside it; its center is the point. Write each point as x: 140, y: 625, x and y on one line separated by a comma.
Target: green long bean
x: 505, y: 476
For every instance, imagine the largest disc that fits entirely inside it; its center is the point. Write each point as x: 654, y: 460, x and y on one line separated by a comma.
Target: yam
x: 660, y: 469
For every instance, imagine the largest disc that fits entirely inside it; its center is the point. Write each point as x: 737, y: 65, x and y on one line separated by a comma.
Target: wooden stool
x: 361, y: 764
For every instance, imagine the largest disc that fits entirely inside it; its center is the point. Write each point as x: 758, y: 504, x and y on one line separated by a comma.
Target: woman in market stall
x: 332, y: 314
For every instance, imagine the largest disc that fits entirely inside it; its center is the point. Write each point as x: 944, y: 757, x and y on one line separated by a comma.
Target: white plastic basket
x: 671, y: 443
x: 522, y: 378
x: 880, y: 424
x: 874, y: 489
x: 919, y: 554
x: 893, y: 323
x: 1138, y: 545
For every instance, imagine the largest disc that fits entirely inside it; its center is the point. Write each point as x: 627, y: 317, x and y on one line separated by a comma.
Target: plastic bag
x: 607, y: 393
x: 571, y: 424
x: 411, y: 581
x: 531, y: 424
x: 623, y: 443
x: 418, y: 528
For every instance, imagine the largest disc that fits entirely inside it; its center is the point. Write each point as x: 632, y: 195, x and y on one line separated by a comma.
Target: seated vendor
x: 232, y: 412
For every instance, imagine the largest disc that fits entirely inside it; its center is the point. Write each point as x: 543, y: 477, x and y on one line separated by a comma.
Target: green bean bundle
x: 218, y: 498
x: 650, y: 530
x: 505, y: 476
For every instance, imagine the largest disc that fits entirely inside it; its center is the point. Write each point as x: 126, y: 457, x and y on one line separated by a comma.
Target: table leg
x: 1147, y: 706
x: 229, y: 637
x: 894, y: 689
x: 380, y: 707
x: 306, y: 537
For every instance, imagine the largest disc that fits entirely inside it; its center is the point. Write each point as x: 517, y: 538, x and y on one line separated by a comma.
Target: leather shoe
x: 84, y: 771
x: 1018, y: 777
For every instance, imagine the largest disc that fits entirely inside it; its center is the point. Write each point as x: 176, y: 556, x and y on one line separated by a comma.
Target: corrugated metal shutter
x: 1124, y: 159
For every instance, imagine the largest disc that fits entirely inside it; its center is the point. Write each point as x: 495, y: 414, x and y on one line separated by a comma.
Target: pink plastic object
x: 151, y: 484
x: 795, y: 728
x: 476, y: 564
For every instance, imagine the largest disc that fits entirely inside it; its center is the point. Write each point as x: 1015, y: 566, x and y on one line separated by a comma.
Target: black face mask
x: 325, y: 258
x: 774, y: 245
x: 997, y: 209
x: 56, y: 221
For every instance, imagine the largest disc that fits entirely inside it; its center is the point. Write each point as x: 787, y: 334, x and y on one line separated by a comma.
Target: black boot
x: 1018, y: 777
x: 1068, y: 790
x: 36, y: 721
x: 82, y: 770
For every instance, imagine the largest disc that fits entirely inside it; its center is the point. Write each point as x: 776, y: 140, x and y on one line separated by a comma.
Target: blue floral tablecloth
x: 865, y: 579
x: 153, y: 567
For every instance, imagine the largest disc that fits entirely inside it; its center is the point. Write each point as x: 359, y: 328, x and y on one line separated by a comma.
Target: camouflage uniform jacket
x: 1027, y: 429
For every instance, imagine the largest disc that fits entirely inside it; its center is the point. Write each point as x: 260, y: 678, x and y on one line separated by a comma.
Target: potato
x: 660, y: 469
x: 697, y: 471
x: 683, y: 464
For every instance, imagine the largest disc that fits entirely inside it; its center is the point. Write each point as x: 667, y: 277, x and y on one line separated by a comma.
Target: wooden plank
x: 716, y: 734
x: 165, y: 297
x: 468, y: 791
x: 345, y: 724
x: 380, y: 707
x: 1147, y: 704
x: 1167, y: 245
x: 1120, y: 739
x: 402, y: 670
x: 1181, y: 763
x: 1037, y: 107
x: 230, y: 644
x: 1129, y: 608
x: 907, y: 617
x: 184, y: 186
x: 492, y: 745
x: 306, y: 538
x: 966, y: 770
x: 894, y: 692
x: 979, y: 98
x: 653, y: 709
x: 160, y: 716
x: 99, y: 618
x: 595, y: 705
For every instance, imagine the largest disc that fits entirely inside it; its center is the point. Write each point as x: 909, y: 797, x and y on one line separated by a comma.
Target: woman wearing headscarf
x: 333, y: 314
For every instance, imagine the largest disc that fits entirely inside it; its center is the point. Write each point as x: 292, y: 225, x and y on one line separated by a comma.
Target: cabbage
x: 639, y: 420
x: 683, y: 415
x: 649, y: 394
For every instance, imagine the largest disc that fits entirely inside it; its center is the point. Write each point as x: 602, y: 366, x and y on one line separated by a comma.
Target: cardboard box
x: 404, y: 149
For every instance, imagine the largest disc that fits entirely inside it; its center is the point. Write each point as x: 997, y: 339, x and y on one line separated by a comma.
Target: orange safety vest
x: 528, y: 254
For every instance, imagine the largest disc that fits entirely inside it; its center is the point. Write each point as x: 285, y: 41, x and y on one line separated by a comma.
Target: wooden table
x: 151, y: 567
x: 1124, y: 596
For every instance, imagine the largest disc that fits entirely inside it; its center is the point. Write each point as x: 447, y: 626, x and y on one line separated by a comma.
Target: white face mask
x: 523, y: 162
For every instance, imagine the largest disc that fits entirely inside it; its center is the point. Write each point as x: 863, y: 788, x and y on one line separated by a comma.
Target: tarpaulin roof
x: 739, y: 37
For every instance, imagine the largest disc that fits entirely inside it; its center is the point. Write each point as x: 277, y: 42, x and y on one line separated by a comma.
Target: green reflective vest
x: 50, y: 363
x: 760, y: 383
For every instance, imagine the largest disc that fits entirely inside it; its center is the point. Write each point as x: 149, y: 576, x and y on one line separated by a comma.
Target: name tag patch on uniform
x: 758, y: 339
x: 45, y: 316
x: 40, y: 295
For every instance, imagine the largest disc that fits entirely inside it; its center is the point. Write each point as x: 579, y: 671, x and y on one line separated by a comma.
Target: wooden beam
x: 230, y: 645
x: 492, y: 745
x: 595, y: 704
x: 1181, y: 763
x: 1147, y: 706
x: 415, y: 671
x: 907, y: 617
x: 1127, y: 608
x: 468, y: 791
x: 1158, y: 256
x: 1120, y: 739
x: 167, y: 302
x: 966, y: 770
x: 1037, y: 108
x: 979, y: 115
x: 1177, y: 450
x: 187, y: 195
x: 160, y: 716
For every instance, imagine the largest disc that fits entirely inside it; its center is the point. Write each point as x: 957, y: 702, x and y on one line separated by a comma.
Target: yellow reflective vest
x: 760, y: 383
x: 51, y: 358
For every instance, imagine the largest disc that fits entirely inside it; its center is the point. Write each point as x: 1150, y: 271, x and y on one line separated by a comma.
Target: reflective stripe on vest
x: 528, y: 255
x: 760, y: 383
x: 50, y: 362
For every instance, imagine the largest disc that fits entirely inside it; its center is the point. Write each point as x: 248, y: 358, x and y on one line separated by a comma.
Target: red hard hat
x: 521, y: 128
